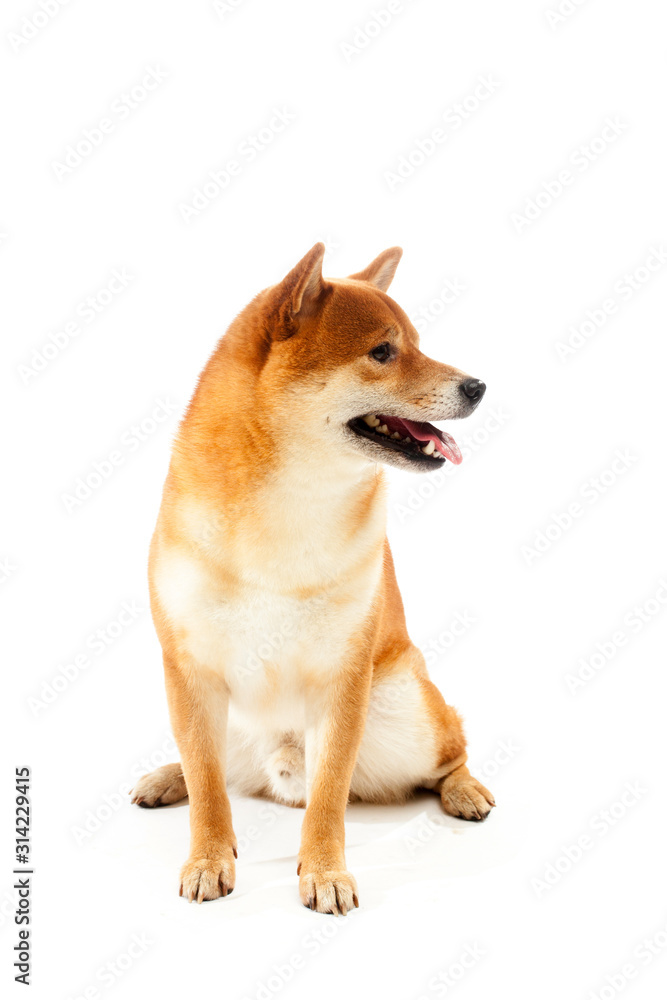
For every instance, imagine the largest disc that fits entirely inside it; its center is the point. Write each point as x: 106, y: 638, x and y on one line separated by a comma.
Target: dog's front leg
x: 198, y: 706
x: 334, y: 726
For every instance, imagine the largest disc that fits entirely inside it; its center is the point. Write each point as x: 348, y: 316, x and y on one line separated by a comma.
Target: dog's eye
x: 382, y: 352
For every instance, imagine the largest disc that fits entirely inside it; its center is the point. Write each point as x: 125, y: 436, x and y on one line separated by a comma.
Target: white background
x: 430, y: 887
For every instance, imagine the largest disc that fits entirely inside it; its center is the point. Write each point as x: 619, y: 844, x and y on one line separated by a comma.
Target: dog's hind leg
x: 460, y: 794
x: 413, y: 739
x: 160, y: 787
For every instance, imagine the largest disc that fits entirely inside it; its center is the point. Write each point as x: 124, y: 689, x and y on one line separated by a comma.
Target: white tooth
x: 396, y: 436
x: 376, y: 422
x: 369, y: 419
x: 384, y: 429
x: 429, y: 448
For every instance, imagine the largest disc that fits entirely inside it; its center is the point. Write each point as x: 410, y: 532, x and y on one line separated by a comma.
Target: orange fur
x: 272, y: 518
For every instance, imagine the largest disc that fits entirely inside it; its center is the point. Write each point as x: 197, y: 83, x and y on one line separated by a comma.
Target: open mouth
x: 420, y: 442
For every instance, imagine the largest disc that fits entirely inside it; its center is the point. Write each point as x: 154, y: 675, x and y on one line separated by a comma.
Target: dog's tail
x: 286, y: 771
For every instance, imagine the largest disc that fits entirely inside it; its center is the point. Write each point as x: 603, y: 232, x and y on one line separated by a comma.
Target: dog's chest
x: 267, y: 644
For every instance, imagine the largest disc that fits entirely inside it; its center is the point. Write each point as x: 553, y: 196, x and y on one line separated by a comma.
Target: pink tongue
x: 446, y: 445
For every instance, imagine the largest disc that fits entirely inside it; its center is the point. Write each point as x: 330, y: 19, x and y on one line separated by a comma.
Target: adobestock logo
x: 366, y: 33
x: 131, y: 440
x: 634, y: 621
x: 579, y: 160
x: 111, y: 802
x: 590, y: 493
x: 266, y: 650
x: 493, y: 765
x: 452, y: 119
x: 7, y: 569
x: 599, y: 826
x: 456, y: 628
x: 223, y: 7
x: 121, y: 108
x: 447, y: 979
x: 267, y: 816
x: 31, y: 25
x: 436, y: 307
x: 470, y: 444
x: 623, y: 290
x: 85, y: 312
x: 247, y: 152
x: 643, y: 955
x: 562, y: 12
x: 108, y: 974
x: 311, y: 944
x: 97, y: 643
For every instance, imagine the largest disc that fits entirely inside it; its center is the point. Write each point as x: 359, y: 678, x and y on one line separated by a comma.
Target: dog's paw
x: 465, y: 797
x: 207, y: 878
x: 160, y: 788
x: 328, y: 892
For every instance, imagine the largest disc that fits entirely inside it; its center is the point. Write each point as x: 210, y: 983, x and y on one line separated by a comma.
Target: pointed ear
x: 306, y: 281
x: 381, y: 272
x: 299, y: 295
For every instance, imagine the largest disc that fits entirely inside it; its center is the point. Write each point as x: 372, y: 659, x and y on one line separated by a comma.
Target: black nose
x: 473, y: 389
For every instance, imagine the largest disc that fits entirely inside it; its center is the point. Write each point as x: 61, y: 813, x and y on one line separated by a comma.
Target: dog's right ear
x: 299, y: 294
x: 381, y: 271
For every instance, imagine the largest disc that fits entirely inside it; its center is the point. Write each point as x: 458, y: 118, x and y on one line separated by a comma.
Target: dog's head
x: 340, y: 361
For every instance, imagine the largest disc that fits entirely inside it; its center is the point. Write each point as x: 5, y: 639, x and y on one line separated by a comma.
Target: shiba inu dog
x: 288, y: 666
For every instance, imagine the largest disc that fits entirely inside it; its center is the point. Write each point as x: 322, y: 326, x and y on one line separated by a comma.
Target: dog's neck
x: 273, y: 507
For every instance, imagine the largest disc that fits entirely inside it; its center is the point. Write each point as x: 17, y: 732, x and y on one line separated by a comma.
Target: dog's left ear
x: 382, y: 270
